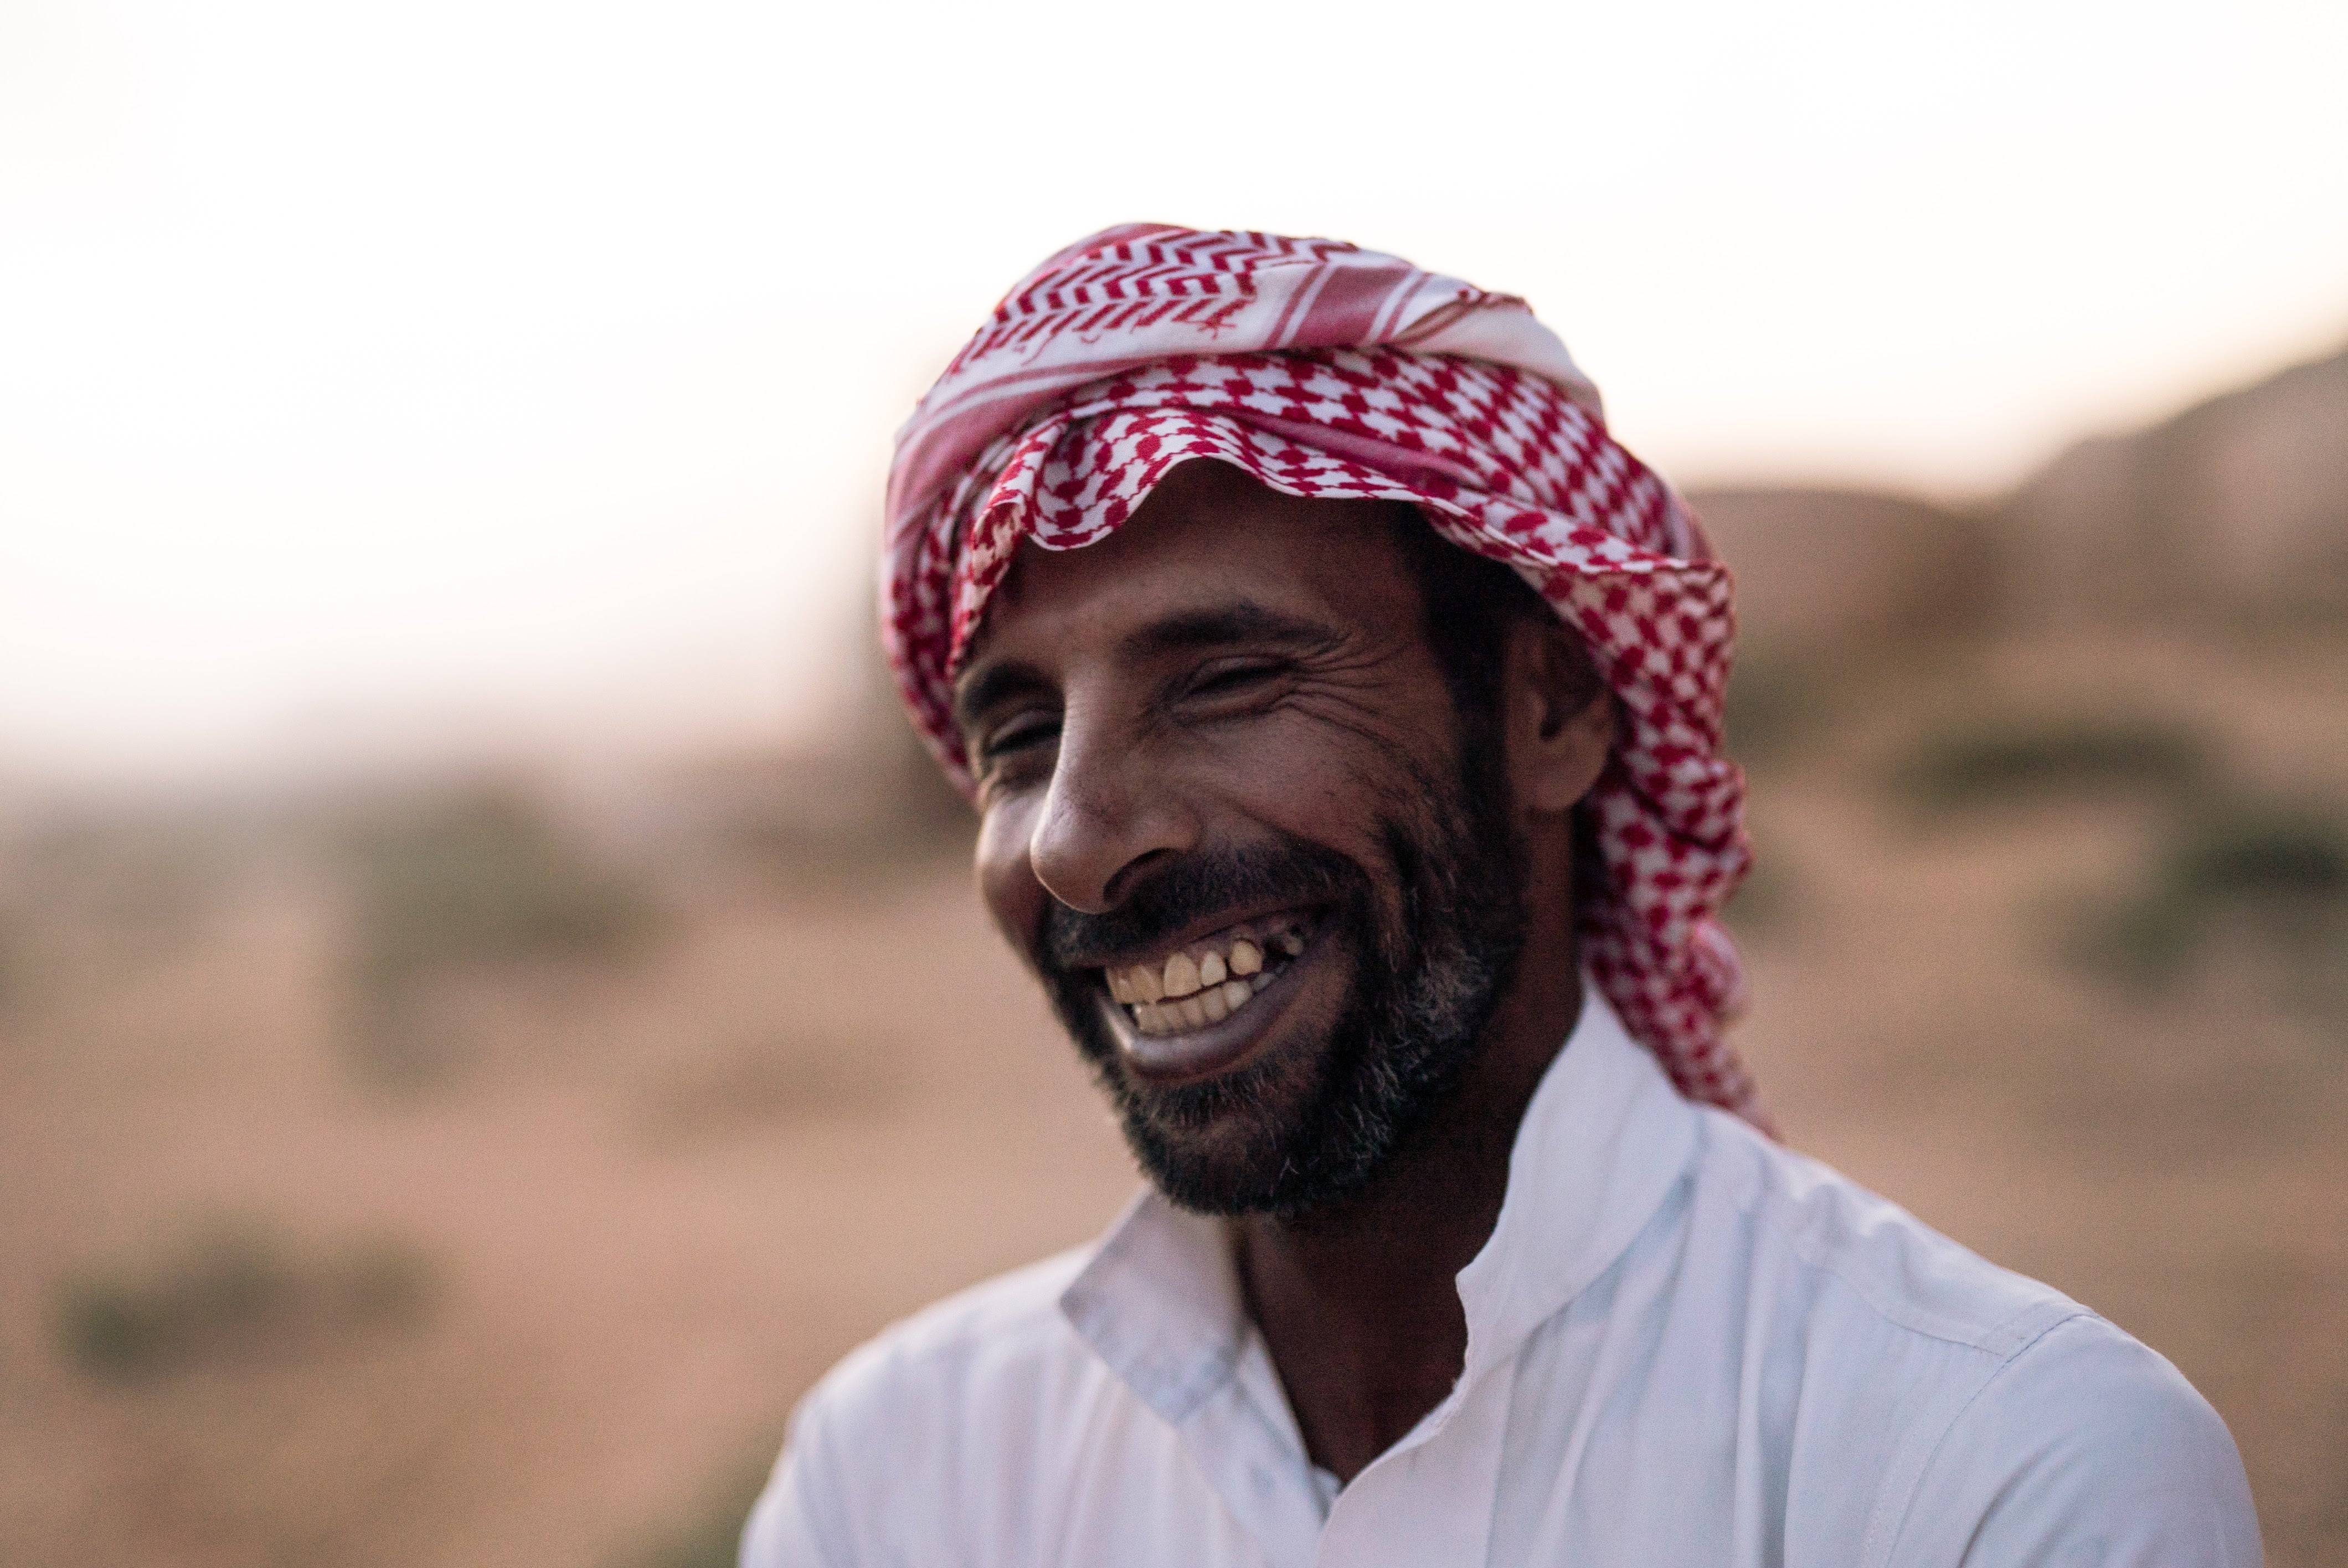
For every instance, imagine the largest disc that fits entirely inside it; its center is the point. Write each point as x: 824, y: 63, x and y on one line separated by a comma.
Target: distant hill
x: 2232, y: 511
x: 2235, y: 508
x: 1822, y: 571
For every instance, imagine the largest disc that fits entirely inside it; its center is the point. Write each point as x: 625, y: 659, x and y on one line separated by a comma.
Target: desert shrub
x: 1775, y: 706
x: 234, y: 1291
x: 2291, y: 862
x: 2279, y: 874
x: 475, y: 877
x: 484, y: 874
x: 2037, y: 758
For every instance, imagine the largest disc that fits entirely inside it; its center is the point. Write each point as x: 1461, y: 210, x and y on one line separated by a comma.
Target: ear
x: 1561, y: 717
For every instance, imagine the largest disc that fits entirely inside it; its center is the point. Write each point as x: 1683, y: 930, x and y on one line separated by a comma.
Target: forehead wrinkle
x: 1223, y: 626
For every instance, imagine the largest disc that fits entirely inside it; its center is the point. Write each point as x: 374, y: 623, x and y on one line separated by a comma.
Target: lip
x: 1176, y: 1059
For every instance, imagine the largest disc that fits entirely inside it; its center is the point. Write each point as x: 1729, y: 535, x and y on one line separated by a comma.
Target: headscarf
x: 1324, y: 370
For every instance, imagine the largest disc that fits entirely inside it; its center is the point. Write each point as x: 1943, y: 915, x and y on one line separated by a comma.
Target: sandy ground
x: 666, y: 1198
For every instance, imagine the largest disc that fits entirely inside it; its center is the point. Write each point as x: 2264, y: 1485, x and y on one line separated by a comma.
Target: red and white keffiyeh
x: 1327, y: 371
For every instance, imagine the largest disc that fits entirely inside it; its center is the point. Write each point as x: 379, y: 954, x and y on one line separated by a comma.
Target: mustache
x: 1189, y: 890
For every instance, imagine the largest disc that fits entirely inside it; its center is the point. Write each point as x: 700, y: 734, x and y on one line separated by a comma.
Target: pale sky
x: 504, y: 369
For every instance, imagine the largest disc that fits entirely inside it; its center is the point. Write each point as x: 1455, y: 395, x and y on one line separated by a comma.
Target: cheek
x: 1005, y: 881
x: 1332, y: 782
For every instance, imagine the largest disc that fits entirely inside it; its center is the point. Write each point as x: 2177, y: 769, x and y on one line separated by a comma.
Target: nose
x: 1109, y: 813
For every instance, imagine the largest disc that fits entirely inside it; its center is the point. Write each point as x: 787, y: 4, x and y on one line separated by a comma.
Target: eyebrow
x: 1187, y: 632
x: 994, y: 685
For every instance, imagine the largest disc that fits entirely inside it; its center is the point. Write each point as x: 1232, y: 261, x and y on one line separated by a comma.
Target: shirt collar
x: 1160, y: 1303
x: 1601, y: 1144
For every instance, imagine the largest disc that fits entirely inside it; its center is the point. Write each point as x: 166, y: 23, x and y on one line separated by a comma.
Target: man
x: 1342, y: 708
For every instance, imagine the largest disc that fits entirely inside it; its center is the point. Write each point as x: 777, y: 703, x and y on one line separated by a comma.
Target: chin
x: 1247, y: 1140
x: 1230, y: 1145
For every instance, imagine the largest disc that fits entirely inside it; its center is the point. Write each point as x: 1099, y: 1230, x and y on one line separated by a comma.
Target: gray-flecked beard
x: 1429, y: 962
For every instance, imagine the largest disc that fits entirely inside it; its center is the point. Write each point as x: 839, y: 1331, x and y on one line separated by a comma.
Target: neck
x: 1358, y: 1301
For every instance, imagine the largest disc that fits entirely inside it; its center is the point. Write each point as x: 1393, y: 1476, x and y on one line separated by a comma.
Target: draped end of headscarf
x: 1324, y: 371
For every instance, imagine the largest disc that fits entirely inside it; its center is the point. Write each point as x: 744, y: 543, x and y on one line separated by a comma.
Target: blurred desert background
x: 492, y: 1002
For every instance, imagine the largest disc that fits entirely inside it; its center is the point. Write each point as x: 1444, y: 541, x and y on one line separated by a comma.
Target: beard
x: 1432, y: 937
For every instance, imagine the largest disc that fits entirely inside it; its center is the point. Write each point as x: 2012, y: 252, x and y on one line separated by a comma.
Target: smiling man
x: 1341, y: 705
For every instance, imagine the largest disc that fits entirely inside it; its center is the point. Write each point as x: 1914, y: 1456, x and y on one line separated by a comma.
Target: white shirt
x: 1686, y: 1346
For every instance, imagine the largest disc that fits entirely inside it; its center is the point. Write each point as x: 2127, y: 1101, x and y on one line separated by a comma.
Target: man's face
x: 1233, y: 819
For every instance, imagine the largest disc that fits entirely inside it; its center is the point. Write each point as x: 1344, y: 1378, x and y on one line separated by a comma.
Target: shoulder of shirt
x: 2062, y: 1423
x: 932, y: 1395
x: 1908, y: 1276
x: 1006, y: 1326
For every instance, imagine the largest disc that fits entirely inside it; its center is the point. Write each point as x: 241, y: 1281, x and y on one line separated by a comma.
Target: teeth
x: 1198, y: 1010
x: 1182, y: 976
x: 1189, y: 993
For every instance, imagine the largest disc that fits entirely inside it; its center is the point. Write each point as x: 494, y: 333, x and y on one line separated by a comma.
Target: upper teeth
x: 1198, y: 985
x: 1183, y: 975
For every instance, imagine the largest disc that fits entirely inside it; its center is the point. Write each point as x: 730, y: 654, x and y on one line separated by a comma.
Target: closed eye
x: 1023, y: 733
x: 1231, y: 678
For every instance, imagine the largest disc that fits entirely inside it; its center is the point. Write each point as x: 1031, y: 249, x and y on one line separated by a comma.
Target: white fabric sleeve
x: 794, y: 1523
x: 2086, y: 1449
